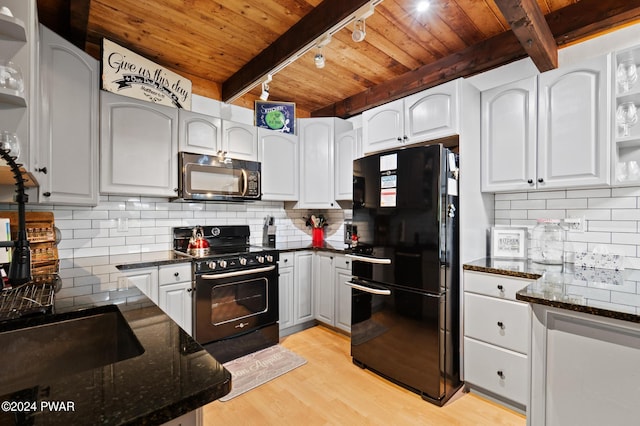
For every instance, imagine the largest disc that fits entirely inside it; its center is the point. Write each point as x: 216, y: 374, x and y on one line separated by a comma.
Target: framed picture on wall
x: 279, y: 116
x: 508, y: 242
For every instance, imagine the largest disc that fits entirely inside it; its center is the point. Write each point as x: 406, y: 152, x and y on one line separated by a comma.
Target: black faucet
x: 20, y: 266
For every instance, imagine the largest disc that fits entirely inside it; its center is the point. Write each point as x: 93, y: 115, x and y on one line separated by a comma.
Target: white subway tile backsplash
x: 588, y: 214
x: 568, y: 203
x: 528, y: 204
x: 612, y: 226
x: 511, y: 196
x: 625, y: 214
x: 545, y: 214
x: 613, y: 203
x: 589, y: 193
x: 546, y: 195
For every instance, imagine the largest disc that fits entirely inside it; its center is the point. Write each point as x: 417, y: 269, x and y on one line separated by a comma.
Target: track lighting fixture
x: 265, y: 88
x: 359, y: 31
x: 319, y: 58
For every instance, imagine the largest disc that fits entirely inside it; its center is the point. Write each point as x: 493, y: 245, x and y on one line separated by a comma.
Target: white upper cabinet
x: 68, y: 123
x: 317, y: 139
x: 239, y: 140
x: 199, y: 133
x: 346, y: 148
x: 430, y: 114
x: 557, y: 135
x: 509, y: 136
x: 278, y: 155
x: 574, y: 125
x: 138, y: 147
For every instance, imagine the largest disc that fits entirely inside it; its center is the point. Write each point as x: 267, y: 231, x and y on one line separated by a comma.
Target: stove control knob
x: 260, y: 259
x: 211, y: 265
x: 223, y: 264
x: 243, y: 261
x: 269, y: 258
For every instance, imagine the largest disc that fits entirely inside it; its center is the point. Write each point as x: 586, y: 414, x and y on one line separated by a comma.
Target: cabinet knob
x: 530, y: 181
x: 501, y: 324
x: 500, y: 374
x: 399, y: 139
x: 405, y: 137
x: 175, y: 190
x: 42, y: 170
x: 540, y: 180
x: 176, y: 274
x: 189, y: 290
x: 286, y: 260
x: 346, y: 262
x: 46, y: 194
x: 500, y: 287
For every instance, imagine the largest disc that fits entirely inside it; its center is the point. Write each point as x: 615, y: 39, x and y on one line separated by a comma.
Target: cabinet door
x: 509, y: 137
x: 383, y: 127
x: 324, y: 288
x: 302, y: 287
x: 68, y: 114
x: 240, y: 141
x: 431, y: 114
x: 199, y: 133
x: 285, y: 299
x: 573, y: 128
x: 138, y: 147
x: 345, y: 151
x: 343, y: 299
x: 175, y: 300
x: 146, y: 279
x: 316, y: 163
x: 278, y: 154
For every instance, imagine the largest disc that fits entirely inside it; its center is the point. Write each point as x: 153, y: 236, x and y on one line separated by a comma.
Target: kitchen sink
x: 36, y: 351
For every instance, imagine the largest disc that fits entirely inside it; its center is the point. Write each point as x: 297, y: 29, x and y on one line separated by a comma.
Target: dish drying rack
x: 35, y: 298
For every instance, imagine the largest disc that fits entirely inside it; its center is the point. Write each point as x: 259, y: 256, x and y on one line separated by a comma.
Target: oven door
x: 237, y: 302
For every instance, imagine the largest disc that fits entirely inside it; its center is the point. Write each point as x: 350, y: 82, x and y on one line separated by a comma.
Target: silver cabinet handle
x: 376, y: 260
x: 369, y: 289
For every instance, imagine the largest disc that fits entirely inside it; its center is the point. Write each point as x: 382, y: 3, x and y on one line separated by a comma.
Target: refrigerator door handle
x: 368, y: 289
x: 376, y: 260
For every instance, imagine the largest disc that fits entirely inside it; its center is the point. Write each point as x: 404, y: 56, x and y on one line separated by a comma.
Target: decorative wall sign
x: 280, y: 116
x: 508, y: 242
x: 129, y: 74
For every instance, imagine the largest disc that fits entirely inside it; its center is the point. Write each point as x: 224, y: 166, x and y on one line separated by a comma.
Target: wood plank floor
x: 331, y: 390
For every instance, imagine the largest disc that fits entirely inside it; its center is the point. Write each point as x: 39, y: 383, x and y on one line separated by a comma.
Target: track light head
x: 359, y: 32
x: 319, y: 59
x: 265, y: 88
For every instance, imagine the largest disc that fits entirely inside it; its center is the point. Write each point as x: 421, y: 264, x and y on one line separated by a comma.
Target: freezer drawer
x: 402, y: 335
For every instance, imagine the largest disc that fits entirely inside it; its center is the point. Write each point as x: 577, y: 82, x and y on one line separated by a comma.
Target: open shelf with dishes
x: 626, y: 111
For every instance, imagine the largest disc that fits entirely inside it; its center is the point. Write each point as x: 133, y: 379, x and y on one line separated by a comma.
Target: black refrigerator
x: 405, y: 267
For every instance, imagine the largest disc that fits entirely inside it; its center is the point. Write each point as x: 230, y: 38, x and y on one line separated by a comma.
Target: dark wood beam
x: 571, y: 23
x: 305, y: 31
x: 528, y: 24
x: 78, y: 21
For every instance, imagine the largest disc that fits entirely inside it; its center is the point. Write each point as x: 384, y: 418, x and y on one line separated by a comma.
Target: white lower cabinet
x: 285, y: 290
x: 496, y: 336
x: 175, y: 294
x: 333, y: 297
x: 302, y: 287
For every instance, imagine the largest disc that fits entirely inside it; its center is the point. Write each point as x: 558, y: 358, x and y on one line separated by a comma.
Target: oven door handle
x: 368, y: 259
x: 368, y: 289
x: 237, y: 273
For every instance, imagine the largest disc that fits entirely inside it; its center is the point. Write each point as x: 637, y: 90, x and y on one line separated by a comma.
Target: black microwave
x: 208, y: 177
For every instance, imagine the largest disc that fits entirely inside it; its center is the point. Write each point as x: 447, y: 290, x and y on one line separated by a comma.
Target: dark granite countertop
x: 306, y: 245
x: 150, y: 259
x: 602, y: 292
x: 173, y: 376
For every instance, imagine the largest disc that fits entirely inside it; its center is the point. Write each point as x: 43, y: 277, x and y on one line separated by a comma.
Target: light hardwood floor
x: 331, y: 390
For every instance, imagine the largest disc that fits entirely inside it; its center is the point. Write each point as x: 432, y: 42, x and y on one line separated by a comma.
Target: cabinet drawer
x: 500, y: 322
x: 286, y: 260
x: 342, y: 262
x: 493, y: 284
x: 171, y: 274
x: 497, y: 370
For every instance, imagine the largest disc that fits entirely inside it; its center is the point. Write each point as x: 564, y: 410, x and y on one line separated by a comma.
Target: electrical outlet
x: 123, y: 283
x: 574, y: 224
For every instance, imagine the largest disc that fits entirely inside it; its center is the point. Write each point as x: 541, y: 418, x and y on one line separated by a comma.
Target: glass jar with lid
x: 547, y: 242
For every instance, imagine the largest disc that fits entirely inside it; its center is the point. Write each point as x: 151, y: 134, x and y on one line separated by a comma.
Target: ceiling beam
x: 78, y: 21
x: 571, y: 23
x: 528, y: 24
x: 317, y: 22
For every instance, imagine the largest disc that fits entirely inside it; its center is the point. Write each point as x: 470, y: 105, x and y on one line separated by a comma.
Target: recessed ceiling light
x: 422, y: 6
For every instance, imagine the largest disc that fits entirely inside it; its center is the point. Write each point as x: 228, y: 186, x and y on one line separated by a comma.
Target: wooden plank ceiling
x: 224, y: 45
